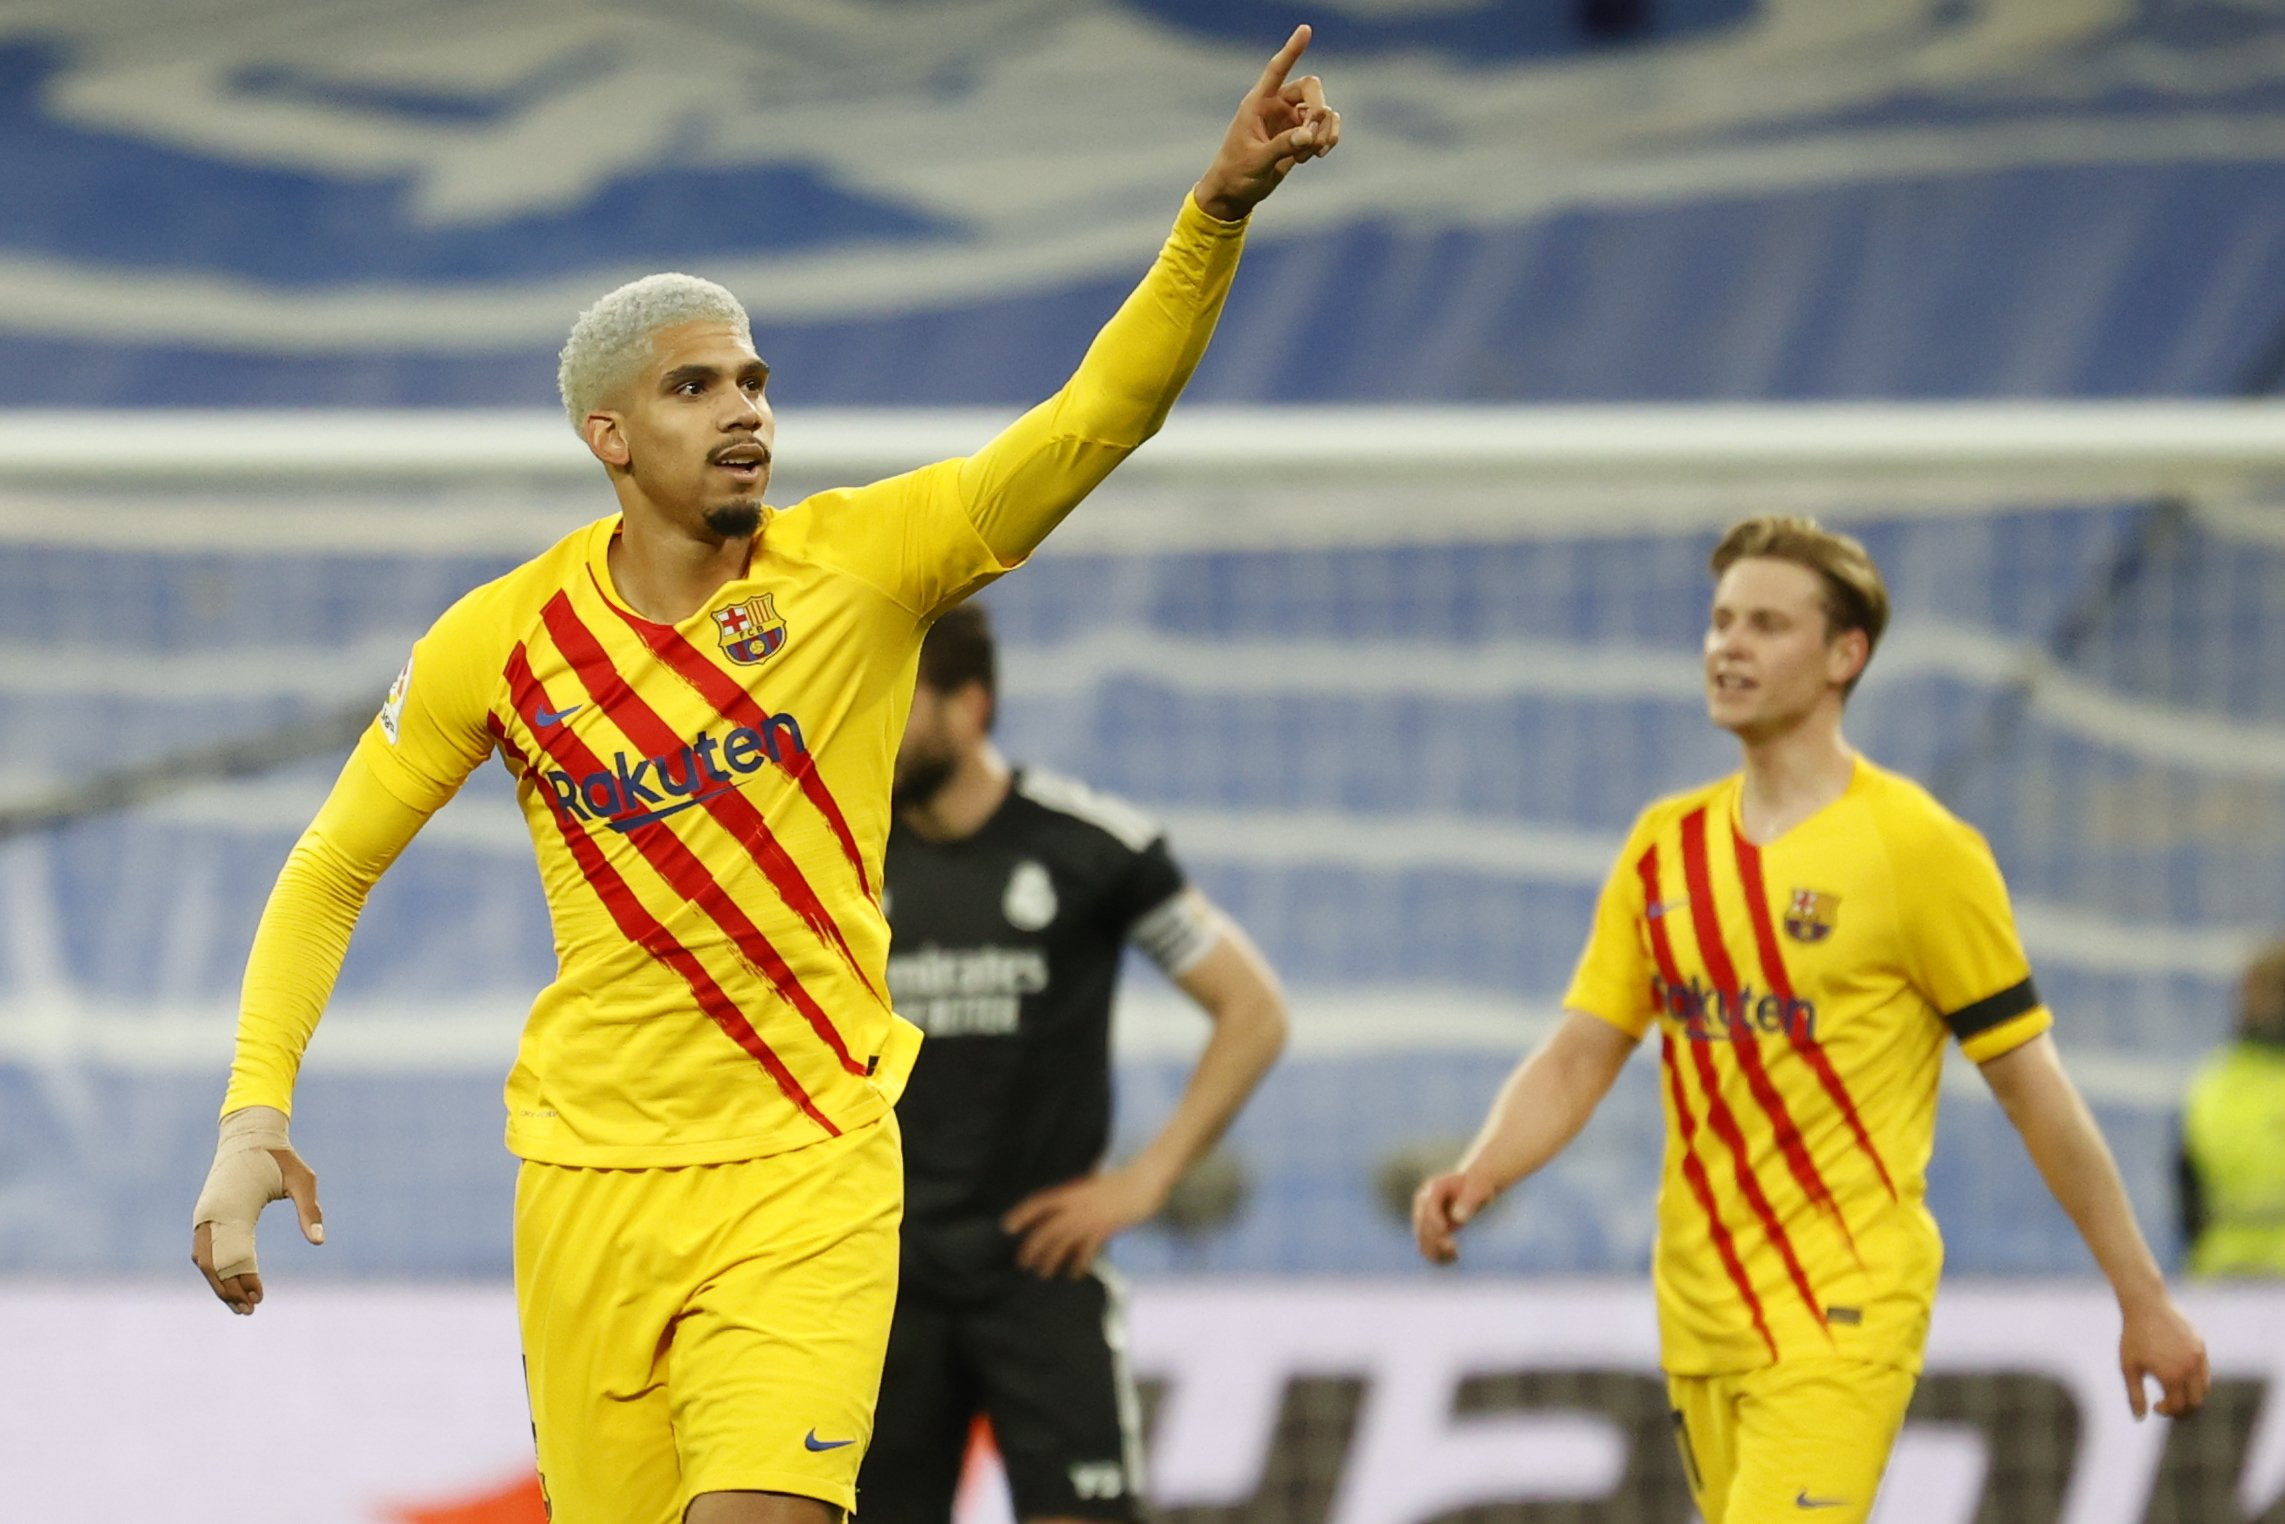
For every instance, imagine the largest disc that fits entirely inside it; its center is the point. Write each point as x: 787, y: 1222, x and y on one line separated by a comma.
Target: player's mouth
x: 1732, y: 682
x: 742, y: 462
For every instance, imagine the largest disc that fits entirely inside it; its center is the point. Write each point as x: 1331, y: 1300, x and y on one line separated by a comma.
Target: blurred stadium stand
x: 1401, y: 765
x: 405, y: 204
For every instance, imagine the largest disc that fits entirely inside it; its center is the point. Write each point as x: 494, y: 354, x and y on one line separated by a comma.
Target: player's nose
x: 748, y: 413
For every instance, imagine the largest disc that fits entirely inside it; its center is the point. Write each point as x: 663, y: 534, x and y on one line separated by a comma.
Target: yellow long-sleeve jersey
x: 709, y: 800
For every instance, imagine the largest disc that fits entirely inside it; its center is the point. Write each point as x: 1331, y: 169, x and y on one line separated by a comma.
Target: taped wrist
x: 244, y: 1179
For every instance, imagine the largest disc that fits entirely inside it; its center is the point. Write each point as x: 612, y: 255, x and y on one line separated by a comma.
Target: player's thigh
x: 1050, y: 1365
x: 1813, y: 1438
x: 776, y: 1359
x: 911, y: 1471
x: 1704, y: 1414
x: 595, y: 1304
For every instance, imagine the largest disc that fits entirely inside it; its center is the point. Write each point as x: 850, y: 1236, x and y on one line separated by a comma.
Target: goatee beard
x: 735, y: 521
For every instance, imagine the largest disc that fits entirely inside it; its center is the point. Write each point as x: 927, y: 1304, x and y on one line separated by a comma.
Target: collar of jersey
x: 599, y: 571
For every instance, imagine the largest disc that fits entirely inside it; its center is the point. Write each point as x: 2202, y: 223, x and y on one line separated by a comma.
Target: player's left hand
x: 1279, y: 124
x: 1065, y: 1226
x: 2155, y: 1340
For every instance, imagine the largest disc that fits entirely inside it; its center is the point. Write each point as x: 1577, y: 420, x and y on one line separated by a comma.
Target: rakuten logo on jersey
x: 639, y: 791
x: 1711, y: 1015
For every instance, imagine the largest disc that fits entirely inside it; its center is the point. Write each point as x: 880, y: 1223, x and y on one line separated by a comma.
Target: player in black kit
x: 1011, y: 895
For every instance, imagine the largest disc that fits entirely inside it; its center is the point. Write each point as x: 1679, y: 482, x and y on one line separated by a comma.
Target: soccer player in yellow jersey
x: 1802, y: 936
x: 700, y: 698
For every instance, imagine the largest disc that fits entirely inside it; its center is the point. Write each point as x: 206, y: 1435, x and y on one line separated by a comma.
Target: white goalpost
x: 1216, y: 478
x: 2147, y: 446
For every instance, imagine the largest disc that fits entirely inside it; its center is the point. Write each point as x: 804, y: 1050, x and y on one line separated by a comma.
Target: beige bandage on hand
x: 244, y: 1179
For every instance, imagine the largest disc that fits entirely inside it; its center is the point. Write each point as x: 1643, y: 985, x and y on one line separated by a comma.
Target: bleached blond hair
x: 611, y: 342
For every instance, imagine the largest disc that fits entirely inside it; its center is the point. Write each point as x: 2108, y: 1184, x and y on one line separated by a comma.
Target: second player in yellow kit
x: 700, y: 700
x: 1803, y: 938
x: 1801, y: 994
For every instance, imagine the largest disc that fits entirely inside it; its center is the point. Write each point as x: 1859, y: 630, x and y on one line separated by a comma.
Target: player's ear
x: 606, y: 439
x: 1846, y: 656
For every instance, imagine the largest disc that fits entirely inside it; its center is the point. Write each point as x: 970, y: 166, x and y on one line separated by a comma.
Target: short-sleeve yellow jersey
x: 1803, y: 990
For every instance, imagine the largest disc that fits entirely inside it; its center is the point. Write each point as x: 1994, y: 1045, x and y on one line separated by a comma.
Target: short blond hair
x: 1855, y: 596
x: 611, y: 342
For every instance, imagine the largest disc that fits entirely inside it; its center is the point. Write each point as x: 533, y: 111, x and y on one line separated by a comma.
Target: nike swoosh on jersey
x: 1803, y: 1500
x: 629, y: 822
x: 546, y: 717
x: 1668, y: 907
x: 811, y: 1441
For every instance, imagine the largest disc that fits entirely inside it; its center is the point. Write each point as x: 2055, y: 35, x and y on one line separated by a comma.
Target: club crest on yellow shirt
x: 1809, y: 918
x: 751, y: 631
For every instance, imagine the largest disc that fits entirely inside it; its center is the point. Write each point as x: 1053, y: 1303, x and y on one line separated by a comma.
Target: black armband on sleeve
x: 1990, y: 1011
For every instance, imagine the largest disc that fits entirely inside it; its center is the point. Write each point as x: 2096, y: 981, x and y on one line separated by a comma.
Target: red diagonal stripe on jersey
x: 1706, y: 922
x: 1693, y: 1171
x: 666, y: 852
x: 639, y: 925
x: 1804, y: 1043
x: 1703, y: 1189
x: 732, y: 809
x: 733, y: 702
x: 1746, y: 1040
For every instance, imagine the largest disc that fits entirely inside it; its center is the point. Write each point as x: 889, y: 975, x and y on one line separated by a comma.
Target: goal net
x: 1395, y: 681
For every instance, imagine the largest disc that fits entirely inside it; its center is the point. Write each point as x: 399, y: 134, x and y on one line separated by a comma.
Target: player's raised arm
x: 1020, y: 486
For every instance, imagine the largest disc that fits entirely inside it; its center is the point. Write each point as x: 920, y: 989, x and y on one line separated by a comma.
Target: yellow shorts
x: 713, y: 1328
x: 1802, y: 1441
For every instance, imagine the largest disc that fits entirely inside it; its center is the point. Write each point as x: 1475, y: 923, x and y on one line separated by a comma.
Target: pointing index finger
x: 1273, y: 76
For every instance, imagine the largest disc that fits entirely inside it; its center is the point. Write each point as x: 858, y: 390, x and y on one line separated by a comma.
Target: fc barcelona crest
x: 751, y: 631
x: 1810, y: 917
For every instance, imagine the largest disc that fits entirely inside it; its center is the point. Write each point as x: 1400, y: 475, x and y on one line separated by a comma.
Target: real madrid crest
x: 1029, y: 903
x: 751, y: 631
x: 1810, y: 915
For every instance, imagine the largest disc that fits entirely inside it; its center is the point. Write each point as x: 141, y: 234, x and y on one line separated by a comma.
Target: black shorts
x: 1045, y: 1361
